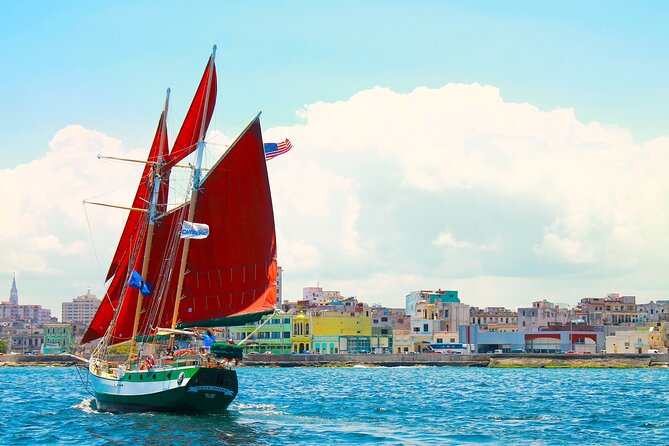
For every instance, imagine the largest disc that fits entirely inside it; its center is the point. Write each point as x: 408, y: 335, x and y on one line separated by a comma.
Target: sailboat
x: 179, y: 274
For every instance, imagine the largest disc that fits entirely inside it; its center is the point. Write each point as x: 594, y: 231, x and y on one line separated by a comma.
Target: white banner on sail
x: 194, y: 230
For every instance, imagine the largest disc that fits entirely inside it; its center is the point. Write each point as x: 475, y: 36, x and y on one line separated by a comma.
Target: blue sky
x: 105, y: 67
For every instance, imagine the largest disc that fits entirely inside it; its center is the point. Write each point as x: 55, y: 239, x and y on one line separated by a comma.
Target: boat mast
x: 197, y: 173
x: 149, y: 235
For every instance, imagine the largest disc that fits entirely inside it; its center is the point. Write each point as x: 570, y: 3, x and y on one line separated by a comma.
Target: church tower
x: 14, y: 293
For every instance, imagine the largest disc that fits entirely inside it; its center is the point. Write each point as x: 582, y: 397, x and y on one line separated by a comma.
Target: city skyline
x: 514, y: 153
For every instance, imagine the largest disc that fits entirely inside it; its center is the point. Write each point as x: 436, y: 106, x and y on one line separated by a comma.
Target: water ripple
x: 393, y: 406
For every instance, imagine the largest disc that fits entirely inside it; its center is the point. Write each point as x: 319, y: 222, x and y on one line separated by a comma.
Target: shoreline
x: 506, y: 360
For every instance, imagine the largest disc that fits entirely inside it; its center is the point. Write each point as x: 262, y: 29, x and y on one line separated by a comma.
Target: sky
x: 511, y: 150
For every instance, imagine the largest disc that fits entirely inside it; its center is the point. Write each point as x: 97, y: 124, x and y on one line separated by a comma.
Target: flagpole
x: 149, y: 235
x: 197, y: 174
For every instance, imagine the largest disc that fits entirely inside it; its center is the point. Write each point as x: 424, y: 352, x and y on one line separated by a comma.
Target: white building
x: 635, y: 341
x: 81, y: 310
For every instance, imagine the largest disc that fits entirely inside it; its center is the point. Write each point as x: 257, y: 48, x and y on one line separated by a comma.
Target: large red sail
x: 233, y: 272
x: 200, y: 112
x: 231, y: 275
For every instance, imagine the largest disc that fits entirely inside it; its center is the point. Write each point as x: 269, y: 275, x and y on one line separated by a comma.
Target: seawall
x: 63, y: 360
x: 499, y: 360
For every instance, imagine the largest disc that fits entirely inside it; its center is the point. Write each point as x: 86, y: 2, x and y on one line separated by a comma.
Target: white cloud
x: 447, y: 240
x: 530, y: 198
x: 556, y: 195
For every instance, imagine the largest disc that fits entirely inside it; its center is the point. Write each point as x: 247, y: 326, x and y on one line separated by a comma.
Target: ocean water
x: 402, y: 406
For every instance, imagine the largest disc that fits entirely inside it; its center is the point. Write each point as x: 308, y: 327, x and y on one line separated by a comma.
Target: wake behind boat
x: 177, y: 273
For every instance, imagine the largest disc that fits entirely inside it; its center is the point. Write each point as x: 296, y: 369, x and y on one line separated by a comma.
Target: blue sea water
x: 402, y: 406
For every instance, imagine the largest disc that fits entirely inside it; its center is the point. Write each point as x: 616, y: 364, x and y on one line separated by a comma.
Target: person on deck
x: 209, y: 338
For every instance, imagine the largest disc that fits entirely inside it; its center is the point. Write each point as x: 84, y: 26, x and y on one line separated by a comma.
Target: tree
x: 3, y: 346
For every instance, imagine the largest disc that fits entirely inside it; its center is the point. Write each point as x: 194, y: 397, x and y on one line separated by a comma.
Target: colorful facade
x: 57, y: 338
x: 274, y: 336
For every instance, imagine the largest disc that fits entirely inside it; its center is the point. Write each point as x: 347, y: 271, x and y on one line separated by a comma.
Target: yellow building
x: 301, y: 334
x: 338, y: 323
x: 336, y: 332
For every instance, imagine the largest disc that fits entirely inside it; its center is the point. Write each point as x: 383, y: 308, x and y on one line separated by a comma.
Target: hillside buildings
x: 12, y: 311
x: 21, y: 325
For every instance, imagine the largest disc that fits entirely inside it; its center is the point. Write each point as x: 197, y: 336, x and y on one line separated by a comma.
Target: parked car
x: 497, y: 352
x: 517, y: 350
x: 653, y: 351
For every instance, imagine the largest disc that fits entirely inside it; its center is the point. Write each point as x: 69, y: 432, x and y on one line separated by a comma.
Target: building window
x: 425, y: 327
x: 384, y: 319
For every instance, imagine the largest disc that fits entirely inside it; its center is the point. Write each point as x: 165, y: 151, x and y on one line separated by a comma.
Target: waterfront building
x: 613, y: 309
x: 433, y: 312
x: 545, y: 341
x: 301, y: 334
x: 22, y: 337
x: 441, y: 337
x: 425, y: 323
x: 402, y: 341
x: 385, y: 321
x: 636, y: 341
x: 494, y: 319
x: 542, y: 314
x: 349, y: 332
x: 57, y: 338
x: 273, y: 336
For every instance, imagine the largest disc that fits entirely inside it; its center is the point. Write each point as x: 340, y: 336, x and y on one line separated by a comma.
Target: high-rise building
x: 81, y: 310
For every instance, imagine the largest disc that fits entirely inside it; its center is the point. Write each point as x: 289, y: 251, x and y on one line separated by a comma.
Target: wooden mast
x: 197, y: 171
x: 149, y: 235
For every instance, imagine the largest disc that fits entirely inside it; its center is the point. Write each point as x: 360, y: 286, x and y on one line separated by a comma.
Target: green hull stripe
x: 230, y: 321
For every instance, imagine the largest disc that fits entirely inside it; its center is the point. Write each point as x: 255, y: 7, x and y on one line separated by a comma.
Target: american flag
x: 275, y: 149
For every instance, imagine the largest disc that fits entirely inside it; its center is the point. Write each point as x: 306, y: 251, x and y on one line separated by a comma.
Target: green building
x: 274, y: 336
x: 57, y: 338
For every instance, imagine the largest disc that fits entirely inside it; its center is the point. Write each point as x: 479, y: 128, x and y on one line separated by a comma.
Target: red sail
x: 200, y: 112
x: 132, y: 235
x: 233, y: 271
x: 159, y: 149
x: 231, y: 275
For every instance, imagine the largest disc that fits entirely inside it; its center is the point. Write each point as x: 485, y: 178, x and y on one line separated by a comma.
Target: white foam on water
x: 87, y: 406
